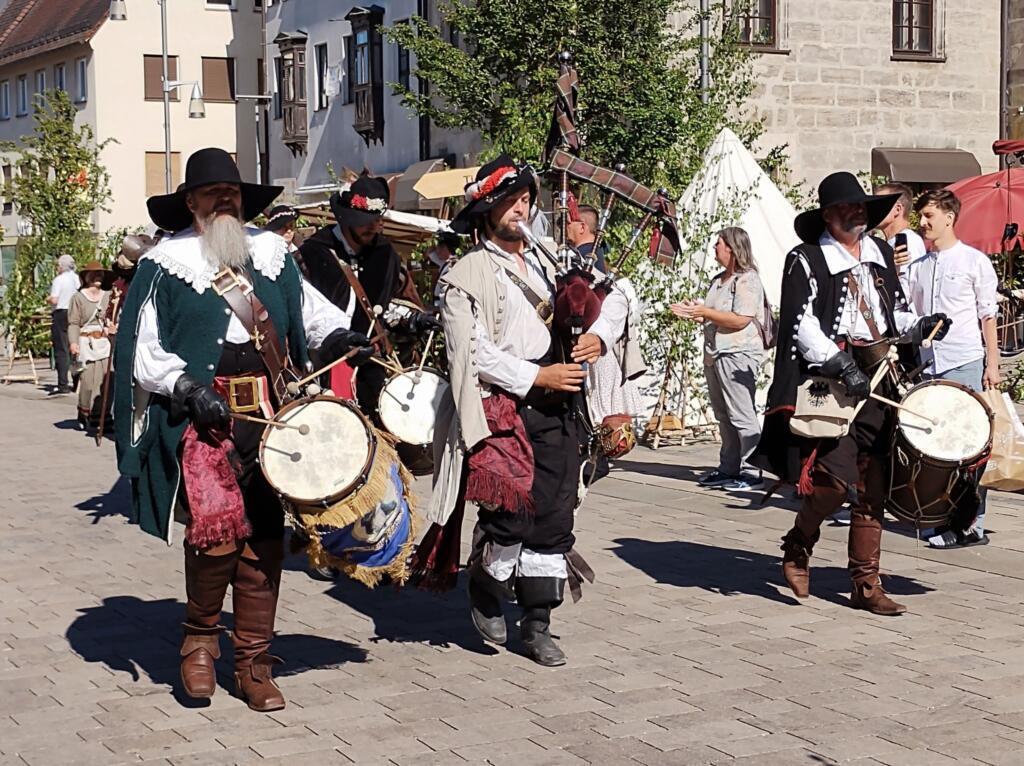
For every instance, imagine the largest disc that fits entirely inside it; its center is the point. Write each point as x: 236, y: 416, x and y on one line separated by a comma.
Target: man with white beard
x: 216, y: 320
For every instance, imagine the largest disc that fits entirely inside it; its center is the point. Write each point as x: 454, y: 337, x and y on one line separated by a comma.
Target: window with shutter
x: 218, y: 79
x: 155, y: 178
x: 294, y: 131
x: 153, y: 73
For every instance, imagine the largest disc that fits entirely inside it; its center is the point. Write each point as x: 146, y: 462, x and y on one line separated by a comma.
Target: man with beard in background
x: 215, y: 318
x: 357, y: 241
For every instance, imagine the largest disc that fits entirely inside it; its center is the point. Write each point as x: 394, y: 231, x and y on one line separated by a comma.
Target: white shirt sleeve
x: 905, y: 320
x: 813, y: 344
x: 155, y: 369
x: 320, y: 317
x: 985, y: 289
x: 611, y: 323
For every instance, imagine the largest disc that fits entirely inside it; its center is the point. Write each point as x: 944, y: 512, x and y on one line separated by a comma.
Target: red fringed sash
x: 216, y: 511
x: 501, y: 466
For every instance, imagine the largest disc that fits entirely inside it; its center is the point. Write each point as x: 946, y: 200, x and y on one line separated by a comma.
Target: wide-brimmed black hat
x: 205, y: 168
x: 280, y: 217
x: 495, y: 181
x: 364, y: 202
x: 838, y: 189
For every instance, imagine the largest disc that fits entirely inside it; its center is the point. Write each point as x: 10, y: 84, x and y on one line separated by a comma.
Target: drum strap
x: 542, y: 306
x: 238, y: 293
x: 364, y: 303
x: 862, y: 306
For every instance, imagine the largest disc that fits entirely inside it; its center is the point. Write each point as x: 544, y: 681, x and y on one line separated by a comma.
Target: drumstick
x: 927, y: 342
x: 897, y: 405
x: 385, y: 364
x: 313, y: 376
x: 303, y: 429
x: 426, y: 353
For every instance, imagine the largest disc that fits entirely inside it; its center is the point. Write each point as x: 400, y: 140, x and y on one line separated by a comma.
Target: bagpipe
x: 580, y: 287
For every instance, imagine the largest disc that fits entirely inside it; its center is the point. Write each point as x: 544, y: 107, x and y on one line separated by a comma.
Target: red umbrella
x: 988, y: 205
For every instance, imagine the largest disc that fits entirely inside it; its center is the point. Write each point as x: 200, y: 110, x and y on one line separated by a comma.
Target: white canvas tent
x: 730, y: 181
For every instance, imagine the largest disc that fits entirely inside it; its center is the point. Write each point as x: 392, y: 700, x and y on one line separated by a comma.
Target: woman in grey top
x: 733, y: 350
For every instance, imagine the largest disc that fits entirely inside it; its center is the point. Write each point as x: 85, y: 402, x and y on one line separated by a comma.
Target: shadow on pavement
x: 116, y: 501
x: 733, y: 571
x: 128, y: 634
x: 410, y: 615
x: 68, y: 425
x: 664, y: 470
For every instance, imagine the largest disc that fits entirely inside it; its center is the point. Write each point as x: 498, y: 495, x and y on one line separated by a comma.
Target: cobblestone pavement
x: 688, y: 650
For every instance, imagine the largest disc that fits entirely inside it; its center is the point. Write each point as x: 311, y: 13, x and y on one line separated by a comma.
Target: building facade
x: 908, y: 89
x: 112, y: 70
x: 334, y: 105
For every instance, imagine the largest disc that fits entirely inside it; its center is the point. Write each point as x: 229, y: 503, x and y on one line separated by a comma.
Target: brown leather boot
x: 254, y: 597
x: 864, y: 548
x: 796, y: 555
x: 206, y: 582
x: 797, y: 545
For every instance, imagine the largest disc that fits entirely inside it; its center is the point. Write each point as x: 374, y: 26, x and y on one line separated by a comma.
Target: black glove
x: 204, y: 406
x: 423, y: 323
x: 844, y: 369
x: 340, y: 342
x: 924, y: 328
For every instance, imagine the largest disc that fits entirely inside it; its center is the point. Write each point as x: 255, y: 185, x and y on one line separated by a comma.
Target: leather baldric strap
x: 542, y: 306
x: 364, y: 302
x: 862, y: 307
x: 238, y: 292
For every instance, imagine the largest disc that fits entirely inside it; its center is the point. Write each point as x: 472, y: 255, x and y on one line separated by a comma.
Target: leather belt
x: 245, y: 393
x: 97, y: 334
x: 238, y: 292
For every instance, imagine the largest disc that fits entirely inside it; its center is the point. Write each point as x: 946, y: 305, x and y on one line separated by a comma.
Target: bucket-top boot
x: 206, y: 582
x: 254, y: 598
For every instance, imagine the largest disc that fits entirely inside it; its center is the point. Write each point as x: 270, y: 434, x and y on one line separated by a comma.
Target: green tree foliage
x: 59, y: 185
x: 640, y: 101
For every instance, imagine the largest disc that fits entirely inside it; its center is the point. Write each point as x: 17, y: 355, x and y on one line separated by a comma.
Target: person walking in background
x: 281, y: 220
x: 88, y: 335
x: 63, y: 288
x: 959, y: 281
x: 733, y: 350
x: 911, y: 246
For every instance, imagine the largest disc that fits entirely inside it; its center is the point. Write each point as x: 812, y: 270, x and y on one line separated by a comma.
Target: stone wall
x: 1015, y: 67
x: 837, y: 93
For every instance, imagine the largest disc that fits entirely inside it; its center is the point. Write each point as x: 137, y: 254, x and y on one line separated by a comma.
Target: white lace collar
x: 182, y: 257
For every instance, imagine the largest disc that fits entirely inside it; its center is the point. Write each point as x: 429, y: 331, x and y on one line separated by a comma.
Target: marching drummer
x: 959, y: 280
x: 512, y: 422
x: 357, y: 240
x: 841, y: 298
x: 199, y: 348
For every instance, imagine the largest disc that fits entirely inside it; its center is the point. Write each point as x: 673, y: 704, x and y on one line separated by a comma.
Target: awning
x: 923, y: 166
x: 445, y: 183
x: 406, y: 231
x: 406, y: 197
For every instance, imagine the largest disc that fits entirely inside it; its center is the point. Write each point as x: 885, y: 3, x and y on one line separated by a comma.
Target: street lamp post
x: 257, y: 101
x: 196, y: 108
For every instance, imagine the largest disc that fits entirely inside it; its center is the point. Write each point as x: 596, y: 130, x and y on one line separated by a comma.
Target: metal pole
x: 259, y: 168
x: 167, y: 98
x: 705, y: 50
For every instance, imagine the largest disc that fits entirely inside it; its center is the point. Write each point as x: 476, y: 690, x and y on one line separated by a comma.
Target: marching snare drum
x: 934, y: 464
x: 407, y: 407
x: 345, y: 487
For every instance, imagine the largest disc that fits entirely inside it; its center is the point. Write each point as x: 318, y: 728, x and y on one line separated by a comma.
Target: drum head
x: 964, y: 430
x: 408, y: 405
x: 324, y: 464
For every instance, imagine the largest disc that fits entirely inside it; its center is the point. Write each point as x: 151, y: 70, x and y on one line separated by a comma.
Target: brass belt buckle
x: 234, y: 384
x: 231, y: 281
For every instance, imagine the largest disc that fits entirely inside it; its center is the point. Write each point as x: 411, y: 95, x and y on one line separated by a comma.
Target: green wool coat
x: 192, y: 326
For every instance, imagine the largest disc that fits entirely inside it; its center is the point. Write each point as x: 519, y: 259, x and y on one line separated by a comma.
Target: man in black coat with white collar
x: 841, y: 296
x: 357, y: 240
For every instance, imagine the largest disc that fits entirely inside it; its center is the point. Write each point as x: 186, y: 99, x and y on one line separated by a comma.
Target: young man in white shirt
x: 957, y: 280
x: 62, y: 289
x: 898, y: 222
